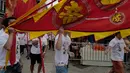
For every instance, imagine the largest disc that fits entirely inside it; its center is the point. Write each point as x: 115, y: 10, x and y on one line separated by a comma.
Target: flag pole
x: 42, y: 58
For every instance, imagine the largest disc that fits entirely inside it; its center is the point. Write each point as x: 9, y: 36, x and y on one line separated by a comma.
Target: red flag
x: 51, y: 19
x: 83, y: 15
x: 102, y: 18
x: 22, y: 7
x: 17, y: 8
x: 13, y: 51
x: 48, y: 16
x: 40, y: 25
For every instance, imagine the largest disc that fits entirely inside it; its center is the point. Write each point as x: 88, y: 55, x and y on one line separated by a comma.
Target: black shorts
x: 16, y: 68
x: 34, y: 58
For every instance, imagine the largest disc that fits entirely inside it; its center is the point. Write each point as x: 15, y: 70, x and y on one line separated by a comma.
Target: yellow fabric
x: 76, y: 34
x: 125, y: 33
x: 25, y: 1
x: 72, y: 13
x: 101, y: 35
x: 29, y: 12
x: 59, y: 5
x: 7, y: 58
x: 39, y: 33
x: 38, y: 16
x: 108, y: 2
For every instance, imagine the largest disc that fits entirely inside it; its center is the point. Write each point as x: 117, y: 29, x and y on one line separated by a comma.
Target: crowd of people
x: 36, y: 49
x: 60, y: 43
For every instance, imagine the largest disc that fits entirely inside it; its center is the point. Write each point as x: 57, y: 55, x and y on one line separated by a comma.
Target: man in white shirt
x: 117, y: 46
x: 36, y: 53
x: 5, y: 45
x: 44, y: 43
x: 51, y: 39
x: 126, y: 53
x: 62, y: 43
x: 23, y: 41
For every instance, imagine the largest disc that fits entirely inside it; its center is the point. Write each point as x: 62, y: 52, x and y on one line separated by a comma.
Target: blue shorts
x: 61, y: 69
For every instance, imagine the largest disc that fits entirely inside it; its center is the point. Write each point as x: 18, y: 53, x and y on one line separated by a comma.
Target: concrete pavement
x: 73, y: 68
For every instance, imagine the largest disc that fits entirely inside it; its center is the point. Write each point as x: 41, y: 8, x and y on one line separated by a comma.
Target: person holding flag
x: 37, y: 54
x: 8, y: 43
x: 62, y: 43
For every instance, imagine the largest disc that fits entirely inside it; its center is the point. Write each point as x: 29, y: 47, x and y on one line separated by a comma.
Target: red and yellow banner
x: 84, y: 15
x: 80, y: 16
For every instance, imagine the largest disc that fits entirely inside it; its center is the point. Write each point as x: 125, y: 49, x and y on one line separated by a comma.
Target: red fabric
x: 105, y: 24
x: 51, y: 21
x: 117, y: 67
x: 43, y: 67
x: 13, y: 51
x: 44, y: 22
x: 7, y: 3
x: 21, y: 7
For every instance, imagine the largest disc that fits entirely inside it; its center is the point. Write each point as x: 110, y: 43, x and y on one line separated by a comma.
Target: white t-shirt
x: 18, y: 49
x: 61, y: 56
x: 117, y: 49
x: 46, y: 36
x: 29, y: 42
x: 51, y: 37
x: 44, y: 41
x: 3, y: 40
x: 23, y: 38
x: 35, y: 49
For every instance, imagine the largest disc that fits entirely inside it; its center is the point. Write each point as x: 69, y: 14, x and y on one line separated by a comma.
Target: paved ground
x: 73, y: 68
